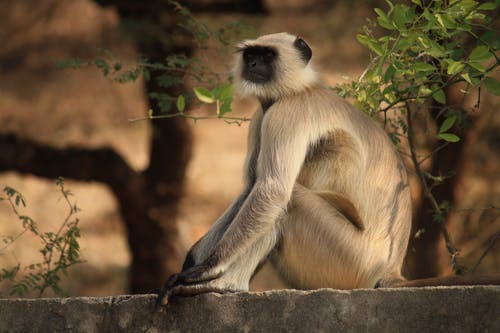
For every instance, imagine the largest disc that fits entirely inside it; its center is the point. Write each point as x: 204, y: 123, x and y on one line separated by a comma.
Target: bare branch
x: 482, y: 237
x: 27, y: 156
x: 488, y: 248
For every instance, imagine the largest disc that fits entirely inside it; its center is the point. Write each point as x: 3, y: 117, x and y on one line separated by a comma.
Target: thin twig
x: 444, y: 145
x: 463, y: 210
x: 370, y: 65
x: 452, y: 250
x: 488, y: 248
x: 55, y: 241
x: 469, y: 247
x: 12, y: 240
x: 195, y: 118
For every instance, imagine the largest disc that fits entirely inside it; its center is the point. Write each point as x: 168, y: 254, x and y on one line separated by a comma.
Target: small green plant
x: 59, y: 250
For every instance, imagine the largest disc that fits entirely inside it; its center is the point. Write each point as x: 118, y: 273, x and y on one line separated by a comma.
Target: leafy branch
x: 177, y: 68
x: 425, y: 48
x: 221, y: 96
x: 60, y: 250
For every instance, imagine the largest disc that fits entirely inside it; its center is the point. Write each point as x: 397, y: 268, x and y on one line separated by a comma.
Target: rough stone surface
x: 441, y: 309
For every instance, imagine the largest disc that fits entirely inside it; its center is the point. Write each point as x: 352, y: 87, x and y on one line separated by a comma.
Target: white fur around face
x: 292, y: 75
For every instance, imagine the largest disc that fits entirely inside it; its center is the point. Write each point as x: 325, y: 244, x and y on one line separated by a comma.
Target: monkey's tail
x: 458, y: 280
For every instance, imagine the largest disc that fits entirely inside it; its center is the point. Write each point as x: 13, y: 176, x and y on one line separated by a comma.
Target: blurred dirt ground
x: 81, y: 107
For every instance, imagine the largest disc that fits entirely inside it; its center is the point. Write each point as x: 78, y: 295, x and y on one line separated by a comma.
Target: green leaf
x: 455, y: 67
x: 370, y: 43
x: 150, y: 113
x: 382, y: 19
x: 225, y: 107
x: 449, y: 137
x: 181, y: 103
x: 439, y: 96
x: 424, y: 91
x: 448, y: 21
x: 216, y: 91
x: 424, y: 42
x: 478, y: 66
x: 466, y: 77
x: 431, y: 46
x: 103, y: 65
x: 204, y: 95
x: 404, y: 43
x: 389, y: 73
x: 488, y: 6
x: 492, y: 85
x: 480, y: 53
x: 447, y: 123
x: 400, y: 17
x: 491, y: 38
x: 423, y: 67
x: 439, y: 18
x: 226, y: 92
x: 436, y: 50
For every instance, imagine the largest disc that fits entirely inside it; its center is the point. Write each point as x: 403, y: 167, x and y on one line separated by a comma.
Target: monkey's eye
x: 258, y: 54
x: 300, y: 43
x: 246, y: 56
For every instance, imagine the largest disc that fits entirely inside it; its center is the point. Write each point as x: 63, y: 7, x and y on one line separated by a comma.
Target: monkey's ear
x: 304, y: 49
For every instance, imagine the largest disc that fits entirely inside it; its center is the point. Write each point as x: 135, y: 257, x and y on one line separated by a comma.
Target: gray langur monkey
x: 326, y: 196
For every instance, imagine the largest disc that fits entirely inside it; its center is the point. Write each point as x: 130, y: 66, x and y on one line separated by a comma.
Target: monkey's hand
x: 199, y: 279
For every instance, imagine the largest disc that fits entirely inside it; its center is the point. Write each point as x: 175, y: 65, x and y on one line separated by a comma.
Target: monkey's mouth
x: 256, y: 76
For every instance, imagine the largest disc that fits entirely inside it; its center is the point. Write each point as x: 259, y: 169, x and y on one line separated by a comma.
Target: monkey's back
x: 355, y: 158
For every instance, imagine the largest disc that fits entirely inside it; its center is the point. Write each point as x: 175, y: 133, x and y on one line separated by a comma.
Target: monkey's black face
x: 259, y: 63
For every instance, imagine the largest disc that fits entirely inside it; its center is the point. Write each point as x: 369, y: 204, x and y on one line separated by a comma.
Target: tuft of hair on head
x: 293, y: 74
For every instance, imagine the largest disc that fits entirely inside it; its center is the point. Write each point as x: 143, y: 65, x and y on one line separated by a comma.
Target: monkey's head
x: 273, y: 66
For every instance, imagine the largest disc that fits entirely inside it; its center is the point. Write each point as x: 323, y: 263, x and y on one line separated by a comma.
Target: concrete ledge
x: 441, y: 309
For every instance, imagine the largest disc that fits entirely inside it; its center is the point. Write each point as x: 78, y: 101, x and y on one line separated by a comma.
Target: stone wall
x: 441, y: 309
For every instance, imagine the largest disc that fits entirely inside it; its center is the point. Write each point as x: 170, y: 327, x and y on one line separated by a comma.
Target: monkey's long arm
x: 283, y: 149
x: 205, y: 246
x: 284, y: 142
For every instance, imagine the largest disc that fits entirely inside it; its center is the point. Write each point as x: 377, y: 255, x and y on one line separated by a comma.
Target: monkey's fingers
x: 197, y: 274
x: 171, y: 281
x: 165, y: 292
x: 162, y: 298
x: 196, y: 289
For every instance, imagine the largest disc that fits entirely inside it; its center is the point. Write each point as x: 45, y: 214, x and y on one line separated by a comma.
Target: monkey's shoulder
x: 317, y: 104
x: 317, y: 98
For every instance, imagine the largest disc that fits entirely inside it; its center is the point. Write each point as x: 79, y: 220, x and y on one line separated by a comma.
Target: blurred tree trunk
x: 148, y: 200
x: 150, y: 210
x: 426, y: 256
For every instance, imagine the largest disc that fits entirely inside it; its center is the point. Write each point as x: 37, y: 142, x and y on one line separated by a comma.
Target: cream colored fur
x: 308, y: 144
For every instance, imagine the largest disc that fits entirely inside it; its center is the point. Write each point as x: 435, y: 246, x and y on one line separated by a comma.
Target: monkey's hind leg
x: 320, y: 247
